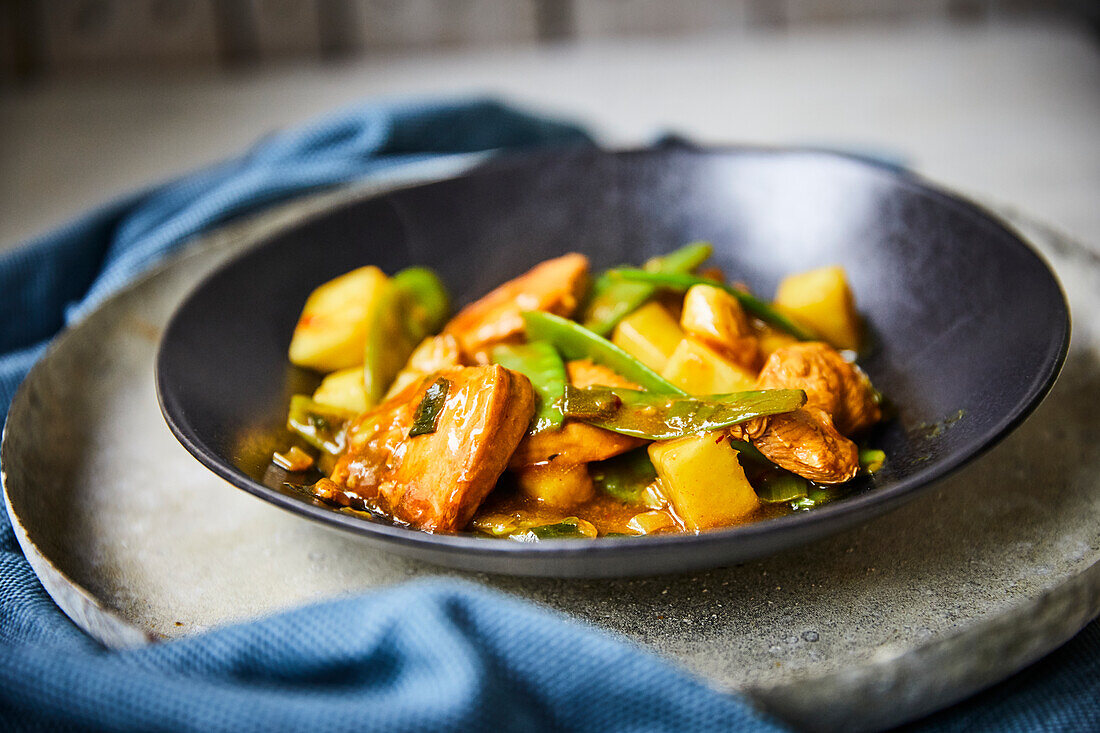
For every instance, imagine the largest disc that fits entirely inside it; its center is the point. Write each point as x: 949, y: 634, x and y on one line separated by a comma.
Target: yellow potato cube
x: 649, y: 334
x: 332, y: 330
x: 716, y: 318
x: 343, y: 389
x: 557, y: 486
x: 823, y: 301
x: 770, y: 339
x: 700, y: 370
x: 703, y: 481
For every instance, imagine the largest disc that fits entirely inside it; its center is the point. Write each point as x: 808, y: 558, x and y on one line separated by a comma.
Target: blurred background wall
x: 58, y: 38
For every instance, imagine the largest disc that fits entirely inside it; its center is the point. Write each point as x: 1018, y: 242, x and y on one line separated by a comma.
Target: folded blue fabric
x: 424, y: 656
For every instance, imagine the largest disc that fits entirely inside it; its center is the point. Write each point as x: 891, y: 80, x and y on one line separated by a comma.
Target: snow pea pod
x: 574, y: 341
x: 541, y: 363
x: 415, y: 304
x: 665, y: 417
x: 613, y: 300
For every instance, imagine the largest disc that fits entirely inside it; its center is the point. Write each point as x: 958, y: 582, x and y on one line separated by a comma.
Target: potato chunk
x: 554, y: 286
x: 823, y: 301
x: 557, y: 484
x: 436, y: 481
x: 332, y: 331
x: 703, y: 481
x: 716, y: 318
x: 343, y: 389
x: 700, y: 370
x: 649, y: 334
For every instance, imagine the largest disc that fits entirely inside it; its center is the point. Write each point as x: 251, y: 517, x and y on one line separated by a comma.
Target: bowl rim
x: 796, y: 528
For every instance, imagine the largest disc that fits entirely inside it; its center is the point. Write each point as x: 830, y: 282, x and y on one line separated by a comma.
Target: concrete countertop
x: 1006, y: 113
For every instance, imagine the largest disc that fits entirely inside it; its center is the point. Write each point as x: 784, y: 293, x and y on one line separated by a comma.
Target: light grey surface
x: 1006, y: 112
x: 984, y: 573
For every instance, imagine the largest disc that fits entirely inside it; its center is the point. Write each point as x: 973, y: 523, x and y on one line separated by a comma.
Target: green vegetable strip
x: 391, y: 338
x: 319, y: 425
x: 540, y: 363
x: 624, y: 477
x: 574, y: 341
x: 427, y: 412
x: 568, y: 528
x: 612, y: 301
x: 871, y: 459
x: 414, y: 305
x: 427, y: 299
x: 780, y: 487
x: 749, y: 451
x: 749, y: 302
x: 664, y: 417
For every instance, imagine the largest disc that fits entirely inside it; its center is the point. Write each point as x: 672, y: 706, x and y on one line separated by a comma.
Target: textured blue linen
x: 424, y: 656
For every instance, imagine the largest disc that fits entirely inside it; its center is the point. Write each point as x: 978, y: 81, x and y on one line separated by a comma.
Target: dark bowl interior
x: 970, y: 325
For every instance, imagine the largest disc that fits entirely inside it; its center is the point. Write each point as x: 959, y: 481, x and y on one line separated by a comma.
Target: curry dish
x: 643, y: 401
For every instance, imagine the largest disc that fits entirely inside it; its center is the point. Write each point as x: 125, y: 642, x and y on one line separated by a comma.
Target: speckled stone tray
x: 958, y: 589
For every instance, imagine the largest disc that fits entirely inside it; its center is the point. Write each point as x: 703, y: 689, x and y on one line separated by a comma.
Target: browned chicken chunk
x: 803, y: 442
x: 554, y: 286
x: 436, y: 481
x: 831, y: 383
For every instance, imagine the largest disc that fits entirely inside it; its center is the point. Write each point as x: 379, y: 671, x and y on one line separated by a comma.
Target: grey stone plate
x: 986, y: 572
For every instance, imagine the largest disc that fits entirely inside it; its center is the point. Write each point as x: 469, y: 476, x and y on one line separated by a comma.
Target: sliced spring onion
x: 871, y: 459
x: 780, y: 487
x: 568, y: 528
x: 319, y: 425
x: 427, y: 412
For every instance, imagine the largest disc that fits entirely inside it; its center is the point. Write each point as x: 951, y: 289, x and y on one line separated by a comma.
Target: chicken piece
x: 555, y: 286
x: 436, y: 481
x: 716, y: 318
x: 434, y: 354
x: 577, y: 442
x: 831, y: 383
x: 804, y: 442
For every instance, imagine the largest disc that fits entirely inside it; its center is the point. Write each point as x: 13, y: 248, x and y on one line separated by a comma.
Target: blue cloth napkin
x: 423, y: 656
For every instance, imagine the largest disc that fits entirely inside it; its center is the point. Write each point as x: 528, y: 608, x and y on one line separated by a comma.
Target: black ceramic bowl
x: 971, y: 327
